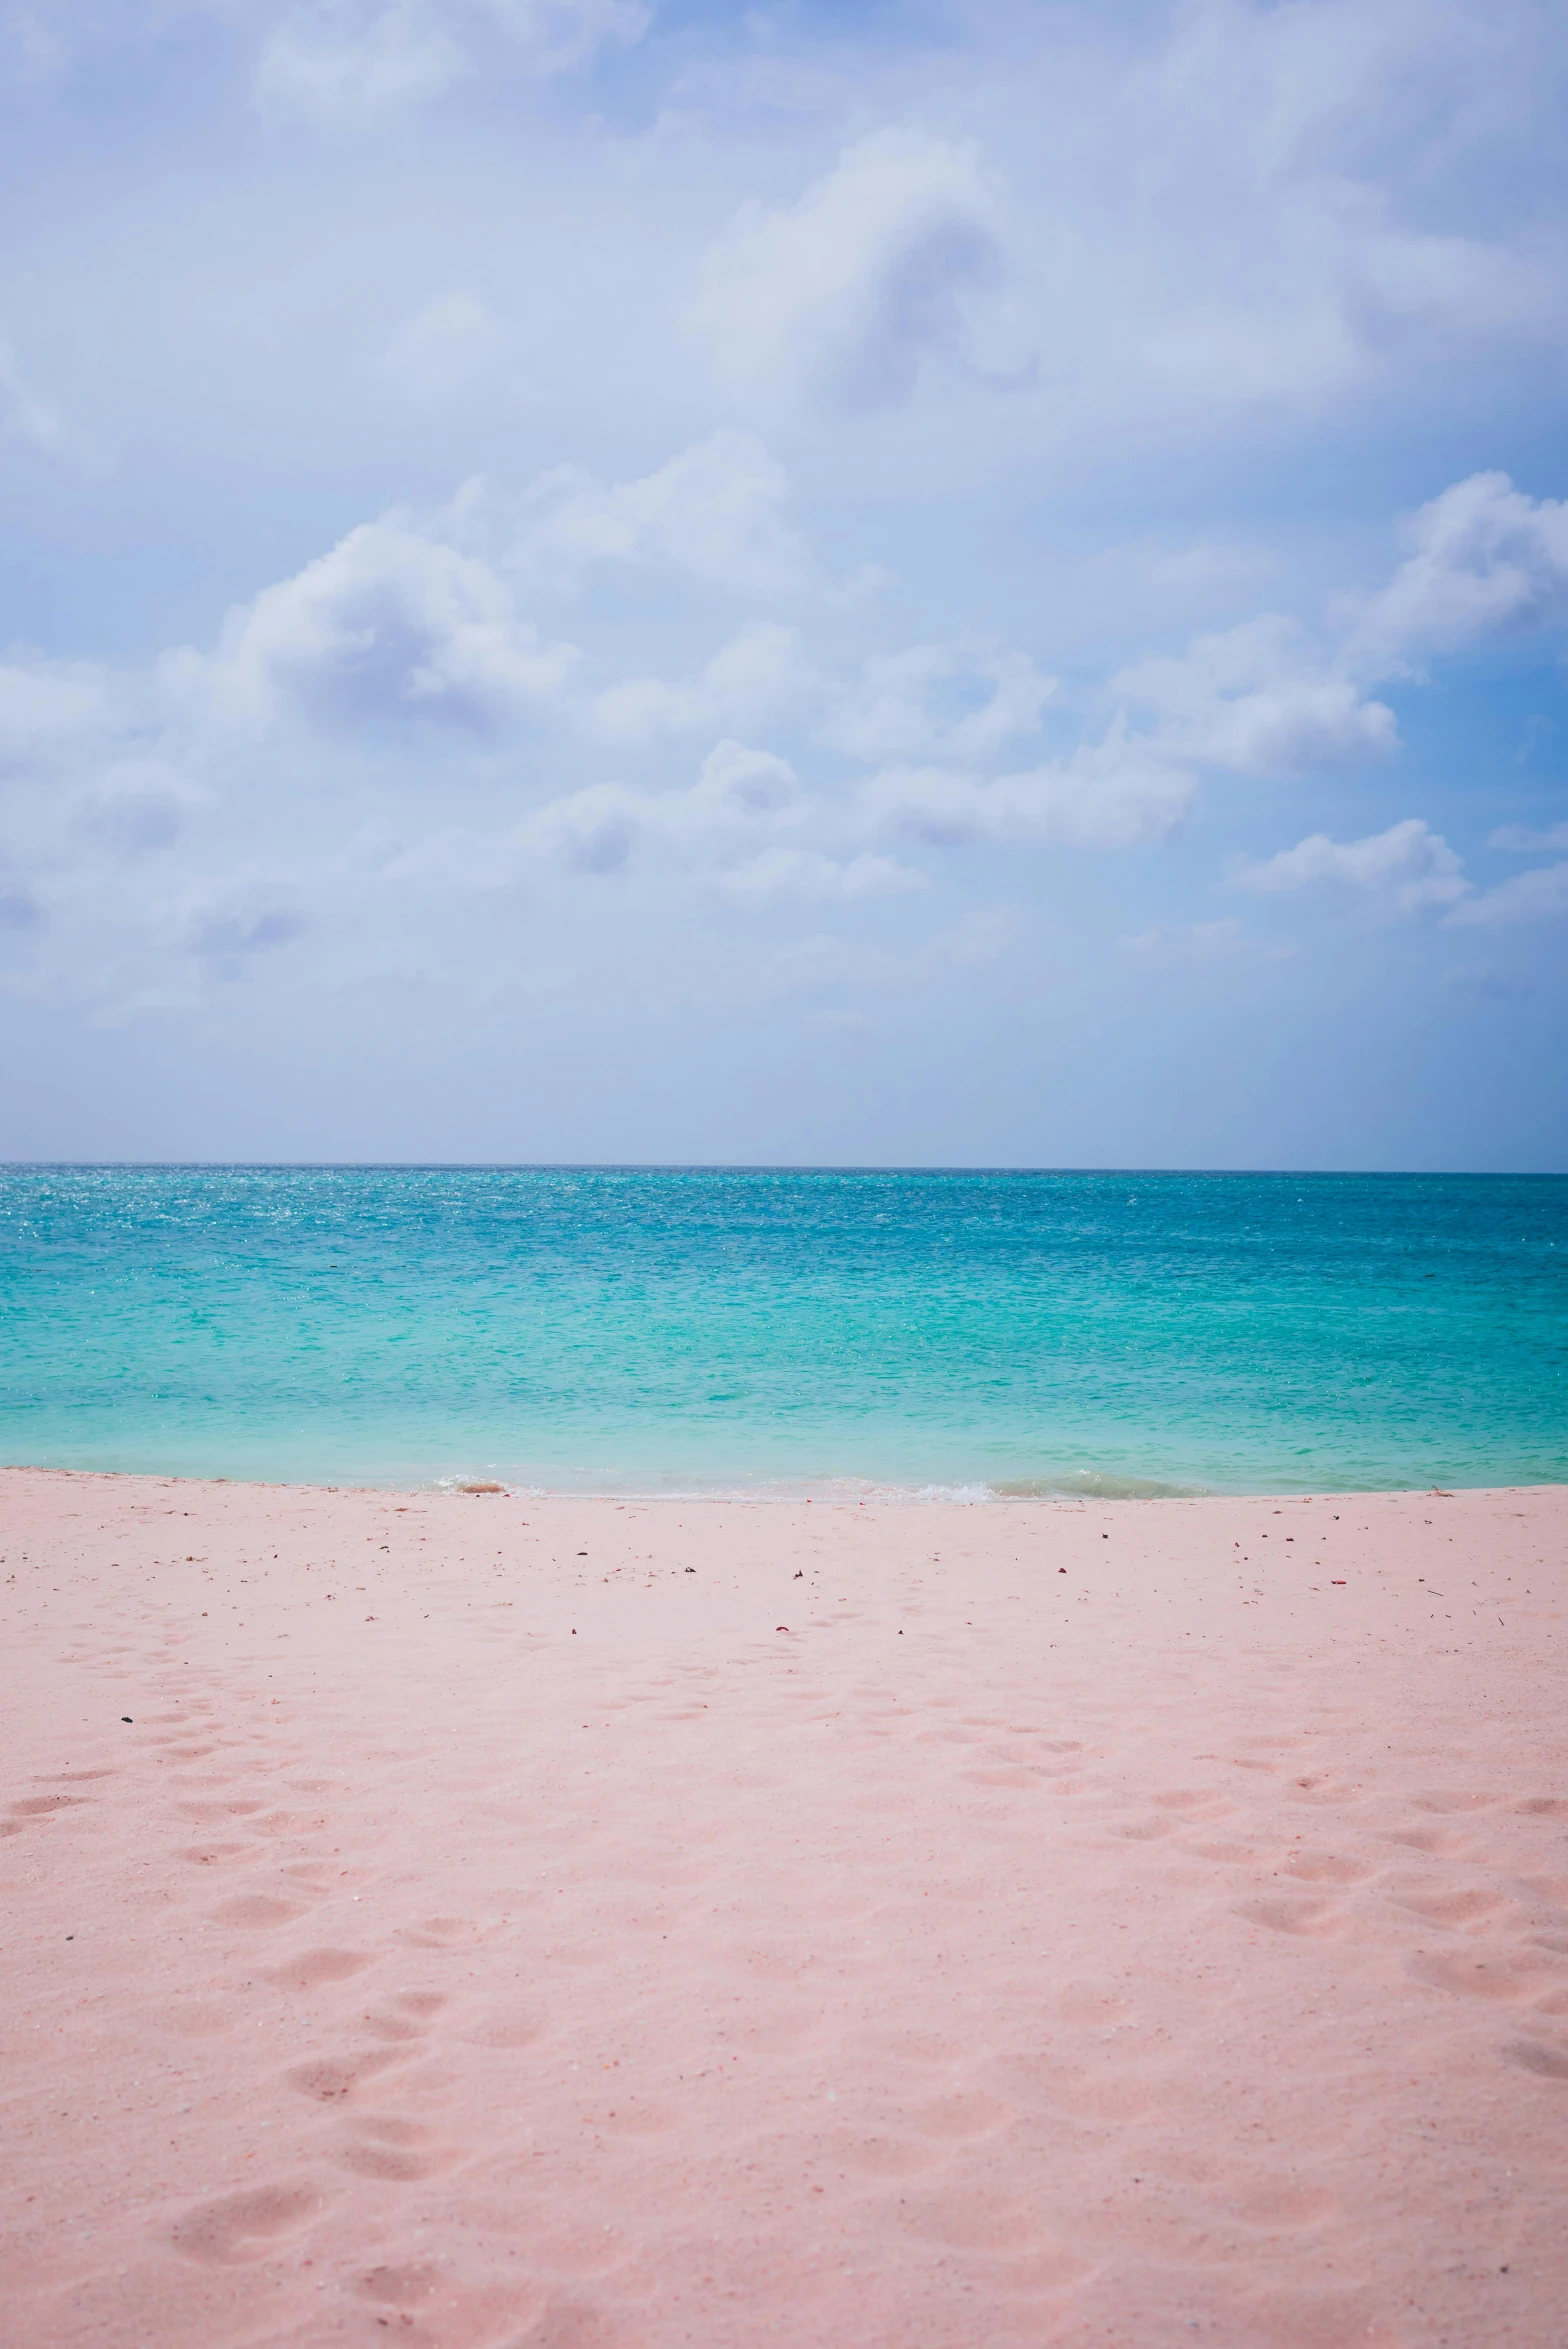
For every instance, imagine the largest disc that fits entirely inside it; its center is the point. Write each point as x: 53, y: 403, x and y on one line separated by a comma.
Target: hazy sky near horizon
x: 653, y: 580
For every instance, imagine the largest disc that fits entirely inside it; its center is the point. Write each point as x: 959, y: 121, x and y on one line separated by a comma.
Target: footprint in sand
x: 505, y: 2031
x: 1440, y: 1843
x: 1324, y: 1786
x: 1532, y: 2055
x: 1325, y: 1867
x: 412, y: 2013
x: 1505, y: 1979
x: 241, y: 2227
x: 43, y: 1806
x: 421, y: 2002
x: 440, y: 1932
x: 314, y: 1969
x: 1315, y: 1919
x: 218, y: 1855
x: 1102, y: 2091
x: 971, y: 2113
x: 1451, y: 1908
x: 1086, y: 2002
x: 571, y: 2324
x: 972, y: 2219
x: 331, y: 2079
x: 310, y: 1881
x: 399, y: 2287
x: 401, y: 2151
x: 257, y: 1911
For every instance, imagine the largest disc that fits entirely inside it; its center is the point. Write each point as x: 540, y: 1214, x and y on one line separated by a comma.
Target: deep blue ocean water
x: 755, y: 1330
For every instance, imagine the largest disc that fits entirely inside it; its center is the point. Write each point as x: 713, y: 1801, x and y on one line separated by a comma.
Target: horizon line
x: 758, y: 1166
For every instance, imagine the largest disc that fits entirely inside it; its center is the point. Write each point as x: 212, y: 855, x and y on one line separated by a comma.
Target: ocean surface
x: 719, y: 1330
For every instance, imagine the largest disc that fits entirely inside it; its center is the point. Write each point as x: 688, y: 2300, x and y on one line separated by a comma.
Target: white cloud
x: 50, y: 709
x: 1486, y: 557
x: 1164, y: 946
x: 1408, y: 866
x: 714, y: 512
x: 934, y: 702
x: 389, y: 626
x: 852, y: 288
x: 347, y: 58
x: 558, y: 34
x: 751, y: 678
x: 240, y: 921
x: 350, y: 60
x: 136, y: 805
x: 1529, y: 897
x: 807, y: 873
x: 743, y: 828
x: 1255, y: 223
x: 22, y: 413
x: 742, y: 799
x: 1259, y: 700
x: 1117, y: 793
x: 1520, y: 840
x: 442, y: 346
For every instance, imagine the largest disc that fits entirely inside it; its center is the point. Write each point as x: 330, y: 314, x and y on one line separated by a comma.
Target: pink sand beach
x: 486, y: 1923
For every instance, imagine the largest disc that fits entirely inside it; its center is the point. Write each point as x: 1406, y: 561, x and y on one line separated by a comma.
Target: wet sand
x: 506, y: 1924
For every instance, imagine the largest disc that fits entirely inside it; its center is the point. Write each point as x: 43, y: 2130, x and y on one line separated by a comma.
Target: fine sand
x: 573, y: 1925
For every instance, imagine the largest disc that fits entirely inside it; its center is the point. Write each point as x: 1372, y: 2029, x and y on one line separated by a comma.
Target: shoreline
x: 962, y: 1496
x: 595, y: 1923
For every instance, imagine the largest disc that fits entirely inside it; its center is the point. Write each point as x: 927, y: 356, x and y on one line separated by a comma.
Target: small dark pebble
x: 691, y: 1569
x: 125, y: 1716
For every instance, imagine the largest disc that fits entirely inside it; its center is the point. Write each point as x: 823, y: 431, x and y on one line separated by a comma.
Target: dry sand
x: 914, y: 1928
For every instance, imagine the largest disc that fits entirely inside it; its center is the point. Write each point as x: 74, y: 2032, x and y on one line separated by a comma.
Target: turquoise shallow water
x: 750, y: 1330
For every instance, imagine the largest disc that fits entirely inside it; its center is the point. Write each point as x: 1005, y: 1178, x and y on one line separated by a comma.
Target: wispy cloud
x: 1408, y: 867
x: 869, y: 275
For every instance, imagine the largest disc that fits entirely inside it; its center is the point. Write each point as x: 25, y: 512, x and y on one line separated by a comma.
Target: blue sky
x: 587, y: 579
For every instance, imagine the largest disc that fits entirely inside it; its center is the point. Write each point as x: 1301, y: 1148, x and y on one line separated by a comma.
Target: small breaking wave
x: 972, y: 1492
